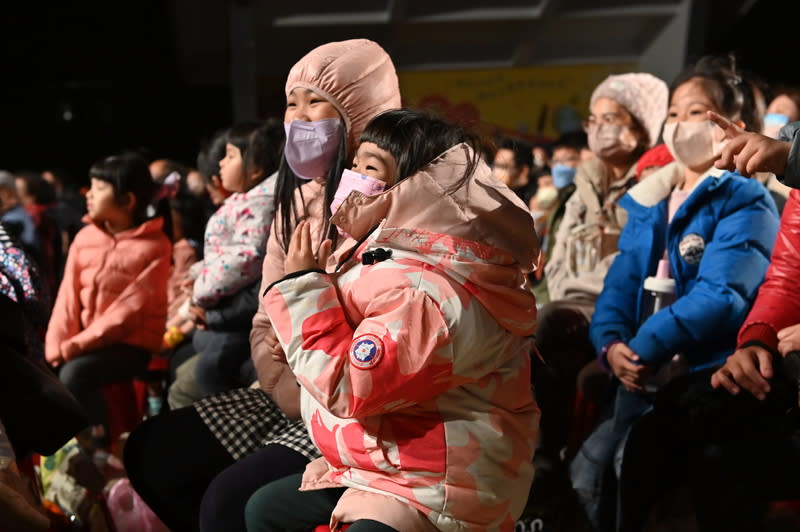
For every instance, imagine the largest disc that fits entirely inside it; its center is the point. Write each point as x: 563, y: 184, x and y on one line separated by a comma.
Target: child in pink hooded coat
x: 112, y: 303
x: 411, y: 351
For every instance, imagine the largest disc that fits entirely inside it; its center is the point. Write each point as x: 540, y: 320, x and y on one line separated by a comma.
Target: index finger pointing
x: 731, y: 130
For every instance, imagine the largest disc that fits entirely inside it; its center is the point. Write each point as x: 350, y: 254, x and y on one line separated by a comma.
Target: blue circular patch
x: 366, y: 351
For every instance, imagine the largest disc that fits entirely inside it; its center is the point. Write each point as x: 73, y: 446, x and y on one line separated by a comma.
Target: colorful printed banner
x: 536, y: 103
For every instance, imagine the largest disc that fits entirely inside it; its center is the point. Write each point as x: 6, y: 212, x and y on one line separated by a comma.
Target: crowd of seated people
x: 372, y: 324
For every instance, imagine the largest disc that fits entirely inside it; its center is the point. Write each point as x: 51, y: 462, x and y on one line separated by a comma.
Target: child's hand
x: 748, y: 368
x: 627, y: 366
x: 186, y: 327
x: 55, y: 360
x: 301, y: 255
x: 274, y: 347
x: 198, y: 316
x: 750, y: 152
x: 789, y: 339
x: 187, y: 285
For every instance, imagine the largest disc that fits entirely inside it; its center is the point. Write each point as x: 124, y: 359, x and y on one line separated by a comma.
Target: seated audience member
x: 208, y: 160
x: 541, y: 158
x: 750, y: 468
x: 542, y: 203
x: 111, y: 306
x: 17, y: 220
x: 70, y: 205
x: 224, y: 447
x: 783, y: 109
x: 652, y: 160
x: 188, y: 226
x: 436, y: 402
x: 626, y: 114
x: 67, y: 191
x: 512, y: 165
x: 196, y: 183
x: 692, y: 255
x: 38, y: 197
x: 226, y: 281
x: 565, y: 160
x: 21, y: 284
x: 160, y: 169
x: 183, y: 388
x: 731, y: 433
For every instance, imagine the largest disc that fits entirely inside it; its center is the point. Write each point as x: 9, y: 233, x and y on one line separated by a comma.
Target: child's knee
x: 258, y: 510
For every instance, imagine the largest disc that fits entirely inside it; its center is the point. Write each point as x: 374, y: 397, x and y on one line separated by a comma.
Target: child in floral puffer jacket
x: 228, y: 278
x: 412, y: 352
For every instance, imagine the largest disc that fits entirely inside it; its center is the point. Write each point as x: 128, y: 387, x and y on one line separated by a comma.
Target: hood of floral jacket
x: 478, y: 232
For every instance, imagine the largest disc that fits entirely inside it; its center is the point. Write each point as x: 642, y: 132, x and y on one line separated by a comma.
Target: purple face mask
x: 354, y: 181
x: 312, y: 146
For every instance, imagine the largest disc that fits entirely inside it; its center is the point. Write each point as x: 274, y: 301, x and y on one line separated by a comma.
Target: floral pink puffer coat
x: 415, y: 370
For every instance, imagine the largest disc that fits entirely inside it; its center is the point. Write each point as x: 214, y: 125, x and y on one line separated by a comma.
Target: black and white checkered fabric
x: 245, y: 420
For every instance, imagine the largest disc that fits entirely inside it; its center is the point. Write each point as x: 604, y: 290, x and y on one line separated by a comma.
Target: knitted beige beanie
x: 644, y: 96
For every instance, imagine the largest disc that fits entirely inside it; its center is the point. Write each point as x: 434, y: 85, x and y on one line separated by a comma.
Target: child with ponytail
x: 692, y: 256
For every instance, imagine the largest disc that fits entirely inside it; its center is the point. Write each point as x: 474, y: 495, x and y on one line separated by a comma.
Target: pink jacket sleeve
x: 398, y: 355
x: 271, y: 373
x: 124, y: 316
x: 65, y: 320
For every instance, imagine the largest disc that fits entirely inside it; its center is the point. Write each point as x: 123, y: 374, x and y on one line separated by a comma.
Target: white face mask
x: 608, y: 141
x: 693, y: 144
x: 546, y: 197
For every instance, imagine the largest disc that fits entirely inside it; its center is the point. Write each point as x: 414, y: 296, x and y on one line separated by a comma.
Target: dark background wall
x: 81, y: 80
x: 84, y: 80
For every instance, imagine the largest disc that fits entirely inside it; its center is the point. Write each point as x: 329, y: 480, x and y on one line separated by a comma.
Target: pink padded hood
x: 356, y: 76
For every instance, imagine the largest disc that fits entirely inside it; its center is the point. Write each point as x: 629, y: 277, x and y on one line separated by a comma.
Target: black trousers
x: 170, y: 460
x: 280, y: 507
x: 731, y: 481
x: 86, y: 375
x: 223, y: 505
x: 562, y: 338
x: 190, y: 480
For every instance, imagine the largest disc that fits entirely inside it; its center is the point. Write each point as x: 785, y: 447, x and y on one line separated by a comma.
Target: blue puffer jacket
x: 719, y: 246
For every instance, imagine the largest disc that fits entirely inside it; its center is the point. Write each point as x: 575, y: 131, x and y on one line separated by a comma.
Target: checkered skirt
x: 245, y: 420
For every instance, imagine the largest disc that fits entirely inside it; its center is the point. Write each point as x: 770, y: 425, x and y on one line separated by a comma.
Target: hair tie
x: 169, y: 188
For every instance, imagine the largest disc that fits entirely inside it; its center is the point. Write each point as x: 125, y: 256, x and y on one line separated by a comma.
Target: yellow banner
x: 535, y: 103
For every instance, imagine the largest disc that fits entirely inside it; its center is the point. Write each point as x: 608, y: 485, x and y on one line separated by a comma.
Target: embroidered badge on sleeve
x: 366, y: 351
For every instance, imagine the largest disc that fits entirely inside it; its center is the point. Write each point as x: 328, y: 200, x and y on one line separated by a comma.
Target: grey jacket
x: 791, y: 176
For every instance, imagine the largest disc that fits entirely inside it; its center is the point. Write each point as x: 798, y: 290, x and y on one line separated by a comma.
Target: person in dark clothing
x: 512, y: 165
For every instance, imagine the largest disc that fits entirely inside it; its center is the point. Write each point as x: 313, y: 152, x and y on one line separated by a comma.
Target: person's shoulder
x: 743, y: 189
x: 88, y: 234
x: 150, y: 235
x: 654, y: 189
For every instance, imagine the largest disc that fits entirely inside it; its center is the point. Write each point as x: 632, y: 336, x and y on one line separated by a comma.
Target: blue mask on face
x: 775, y: 119
x: 563, y: 175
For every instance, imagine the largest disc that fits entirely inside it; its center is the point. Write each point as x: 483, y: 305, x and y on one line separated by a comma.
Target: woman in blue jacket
x: 692, y: 256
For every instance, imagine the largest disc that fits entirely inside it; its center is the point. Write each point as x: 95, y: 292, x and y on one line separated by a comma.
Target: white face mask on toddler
x: 351, y: 181
x: 693, y: 144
